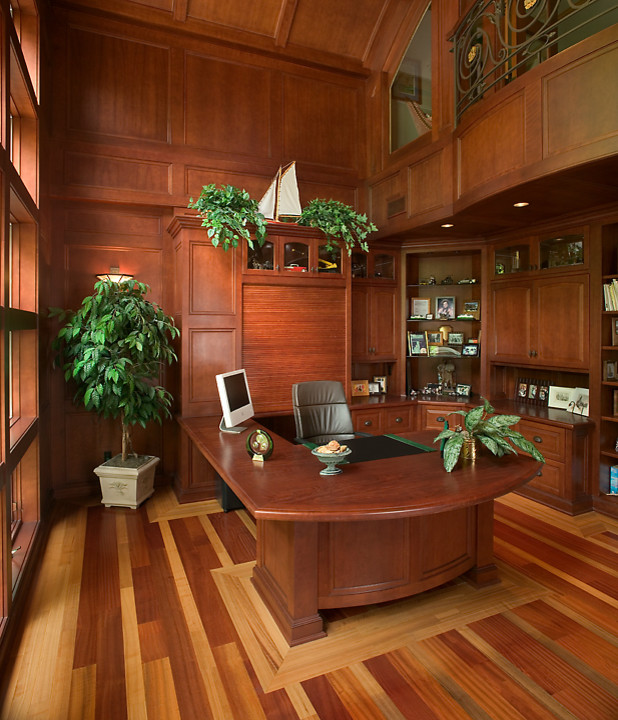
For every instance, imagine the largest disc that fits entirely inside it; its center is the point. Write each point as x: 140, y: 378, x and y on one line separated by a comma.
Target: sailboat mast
x: 277, y: 195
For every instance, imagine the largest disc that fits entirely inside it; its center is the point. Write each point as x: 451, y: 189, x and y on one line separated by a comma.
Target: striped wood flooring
x: 150, y: 614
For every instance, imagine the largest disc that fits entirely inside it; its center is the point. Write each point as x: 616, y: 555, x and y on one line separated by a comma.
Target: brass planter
x: 468, y: 450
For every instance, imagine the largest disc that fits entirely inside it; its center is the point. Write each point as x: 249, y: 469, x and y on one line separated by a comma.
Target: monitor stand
x: 237, y: 429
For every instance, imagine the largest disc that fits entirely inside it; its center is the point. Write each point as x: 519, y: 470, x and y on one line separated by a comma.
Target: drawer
x: 398, y: 420
x: 549, y: 439
x: 550, y: 480
x: 432, y: 418
x: 369, y: 421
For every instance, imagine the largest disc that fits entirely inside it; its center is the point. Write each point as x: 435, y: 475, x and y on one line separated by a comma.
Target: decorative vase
x: 468, y: 449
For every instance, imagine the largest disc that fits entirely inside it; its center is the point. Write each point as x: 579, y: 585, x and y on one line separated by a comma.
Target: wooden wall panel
x: 290, y: 334
x: 493, y: 146
x: 227, y: 106
x: 104, y: 171
x: 578, y: 108
x: 211, y: 351
x: 427, y: 183
x: 259, y: 17
x: 387, y: 190
x: 211, y: 280
x: 320, y: 122
x: 118, y: 86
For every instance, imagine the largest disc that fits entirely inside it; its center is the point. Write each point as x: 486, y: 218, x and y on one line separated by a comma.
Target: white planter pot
x: 125, y: 486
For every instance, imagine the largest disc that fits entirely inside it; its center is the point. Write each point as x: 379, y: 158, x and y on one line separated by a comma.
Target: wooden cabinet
x: 555, y: 251
x: 432, y: 416
x: 541, y: 322
x: 386, y: 418
x: 292, y: 251
x: 375, y: 306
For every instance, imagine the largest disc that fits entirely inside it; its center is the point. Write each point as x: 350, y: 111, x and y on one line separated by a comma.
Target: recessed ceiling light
x: 520, y: 204
x: 447, y: 225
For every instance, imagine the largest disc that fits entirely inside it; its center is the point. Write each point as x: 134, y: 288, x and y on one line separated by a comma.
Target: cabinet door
x: 361, y: 312
x: 511, y: 322
x: 383, y: 323
x: 561, y: 319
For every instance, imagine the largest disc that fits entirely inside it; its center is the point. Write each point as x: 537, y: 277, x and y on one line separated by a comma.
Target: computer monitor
x: 235, y: 400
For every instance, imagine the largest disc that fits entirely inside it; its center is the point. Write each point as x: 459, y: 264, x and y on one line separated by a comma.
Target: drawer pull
x: 440, y: 418
x: 368, y: 423
x: 537, y: 439
x: 540, y: 473
x: 398, y: 420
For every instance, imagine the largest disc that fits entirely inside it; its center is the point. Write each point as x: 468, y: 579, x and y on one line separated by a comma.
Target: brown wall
x: 141, y: 119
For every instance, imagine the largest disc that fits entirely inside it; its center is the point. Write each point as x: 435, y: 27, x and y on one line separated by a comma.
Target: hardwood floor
x: 151, y: 614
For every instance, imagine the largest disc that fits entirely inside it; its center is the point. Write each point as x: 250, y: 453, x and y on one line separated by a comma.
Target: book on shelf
x: 610, y: 295
x: 613, y: 480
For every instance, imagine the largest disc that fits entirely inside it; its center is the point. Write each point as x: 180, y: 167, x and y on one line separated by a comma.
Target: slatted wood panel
x: 147, y: 614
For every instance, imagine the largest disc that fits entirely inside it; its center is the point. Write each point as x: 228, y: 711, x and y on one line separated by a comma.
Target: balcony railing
x: 499, y: 40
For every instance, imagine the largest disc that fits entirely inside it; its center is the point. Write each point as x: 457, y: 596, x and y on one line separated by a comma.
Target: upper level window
x: 411, y: 88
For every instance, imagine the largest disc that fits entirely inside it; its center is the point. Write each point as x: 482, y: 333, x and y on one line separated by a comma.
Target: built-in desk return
x: 226, y: 497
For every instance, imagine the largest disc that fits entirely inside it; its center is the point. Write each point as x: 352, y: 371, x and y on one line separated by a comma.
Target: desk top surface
x: 288, y: 486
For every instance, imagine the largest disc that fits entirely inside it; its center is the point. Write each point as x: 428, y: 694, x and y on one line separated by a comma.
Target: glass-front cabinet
x: 294, y: 251
x: 557, y: 251
x: 375, y: 265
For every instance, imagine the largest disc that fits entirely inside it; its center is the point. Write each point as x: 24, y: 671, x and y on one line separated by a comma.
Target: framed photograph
x: 445, y: 308
x: 471, y: 350
x: 417, y: 343
x: 522, y: 389
x: 543, y: 394
x: 532, y: 391
x: 407, y: 85
x: 374, y: 388
x: 578, y: 404
x: 420, y: 307
x: 455, y: 338
x: 463, y: 390
x: 609, y: 370
x: 434, y: 350
x: 434, y: 338
x: 381, y: 381
x: 559, y: 397
x: 360, y: 388
x: 471, y: 310
x: 614, y: 331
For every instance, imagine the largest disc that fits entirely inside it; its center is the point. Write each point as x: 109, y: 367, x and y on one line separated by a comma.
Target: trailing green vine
x: 338, y: 222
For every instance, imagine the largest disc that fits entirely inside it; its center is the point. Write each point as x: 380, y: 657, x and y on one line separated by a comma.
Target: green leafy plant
x: 112, y: 349
x: 338, y: 222
x: 493, y: 431
x: 230, y: 215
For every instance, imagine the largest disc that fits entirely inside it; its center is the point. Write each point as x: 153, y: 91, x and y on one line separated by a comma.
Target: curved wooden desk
x: 379, y: 531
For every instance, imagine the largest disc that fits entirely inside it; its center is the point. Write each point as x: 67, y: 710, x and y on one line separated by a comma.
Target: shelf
x: 610, y: 453
x: 448, y: 320
x: 609, y: 383
x: 610, y: 418
x: 609, y: 347
x: 440, y: 285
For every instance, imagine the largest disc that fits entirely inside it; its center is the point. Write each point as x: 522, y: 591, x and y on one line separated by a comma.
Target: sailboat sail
x: 282, y: 197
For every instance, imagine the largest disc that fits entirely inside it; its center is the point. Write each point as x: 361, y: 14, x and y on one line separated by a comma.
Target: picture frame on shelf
x: 462, y: 389
x: 579, y: 402
x: 532, y: 391
x: 417, y: 344
x: 445, y: 307
x: 471, y: 310
x: 374, y: 388
x: 522, y: 389
x: 435, y: 338
x: 543, y: 393
x: 419, y: 308
x: 360, y: 388
x: 609, y: 370
x: 381, y: 381
x: 559, y: 397
x: 455, y: 338
x: 470, y: 350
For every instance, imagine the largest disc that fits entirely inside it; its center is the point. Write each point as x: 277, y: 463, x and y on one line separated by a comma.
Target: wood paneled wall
x: 141, y: 119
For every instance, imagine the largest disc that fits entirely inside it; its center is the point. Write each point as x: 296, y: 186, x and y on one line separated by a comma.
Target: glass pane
x: 384, y: 267
x: 296, y: 257
x: 561, y: 251
x: 329, y: 261
x: 411, y: 88
x: 359, y: 264
x: 261, y: 258
x: 512, y: 259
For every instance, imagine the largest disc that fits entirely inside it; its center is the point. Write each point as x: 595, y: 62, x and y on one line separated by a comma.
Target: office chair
x: 321, y: 412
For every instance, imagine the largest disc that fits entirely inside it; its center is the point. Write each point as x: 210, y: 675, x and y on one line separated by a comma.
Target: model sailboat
x: 282, y: 198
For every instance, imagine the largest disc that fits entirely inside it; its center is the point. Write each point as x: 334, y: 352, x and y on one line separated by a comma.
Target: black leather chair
x: 321, y: 412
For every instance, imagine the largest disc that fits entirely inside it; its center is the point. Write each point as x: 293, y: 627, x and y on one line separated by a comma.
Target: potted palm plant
x: 112, y: 349
x: 491, y: 430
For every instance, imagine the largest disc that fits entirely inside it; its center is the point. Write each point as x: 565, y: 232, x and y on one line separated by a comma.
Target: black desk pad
x: 379, y: 447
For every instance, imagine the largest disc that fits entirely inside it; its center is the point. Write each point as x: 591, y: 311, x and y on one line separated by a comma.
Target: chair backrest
x: 321, y: 412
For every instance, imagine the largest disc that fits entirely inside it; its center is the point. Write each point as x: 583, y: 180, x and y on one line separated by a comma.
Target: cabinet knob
x: 398, y: 420
x: 440, y: 418
x: 540, y: 472
x: 278, y: 267
x: 368, y: 423
x: 537, y: 439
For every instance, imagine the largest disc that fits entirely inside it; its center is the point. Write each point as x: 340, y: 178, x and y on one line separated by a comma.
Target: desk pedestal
x: 303, y: 567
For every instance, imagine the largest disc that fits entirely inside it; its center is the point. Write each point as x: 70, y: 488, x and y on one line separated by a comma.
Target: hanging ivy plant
x: 338, y: 222
x: 230, y: 215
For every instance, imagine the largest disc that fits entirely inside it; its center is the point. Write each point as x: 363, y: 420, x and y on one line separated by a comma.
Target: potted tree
x: 111, y: 349
x: 491, y: 430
